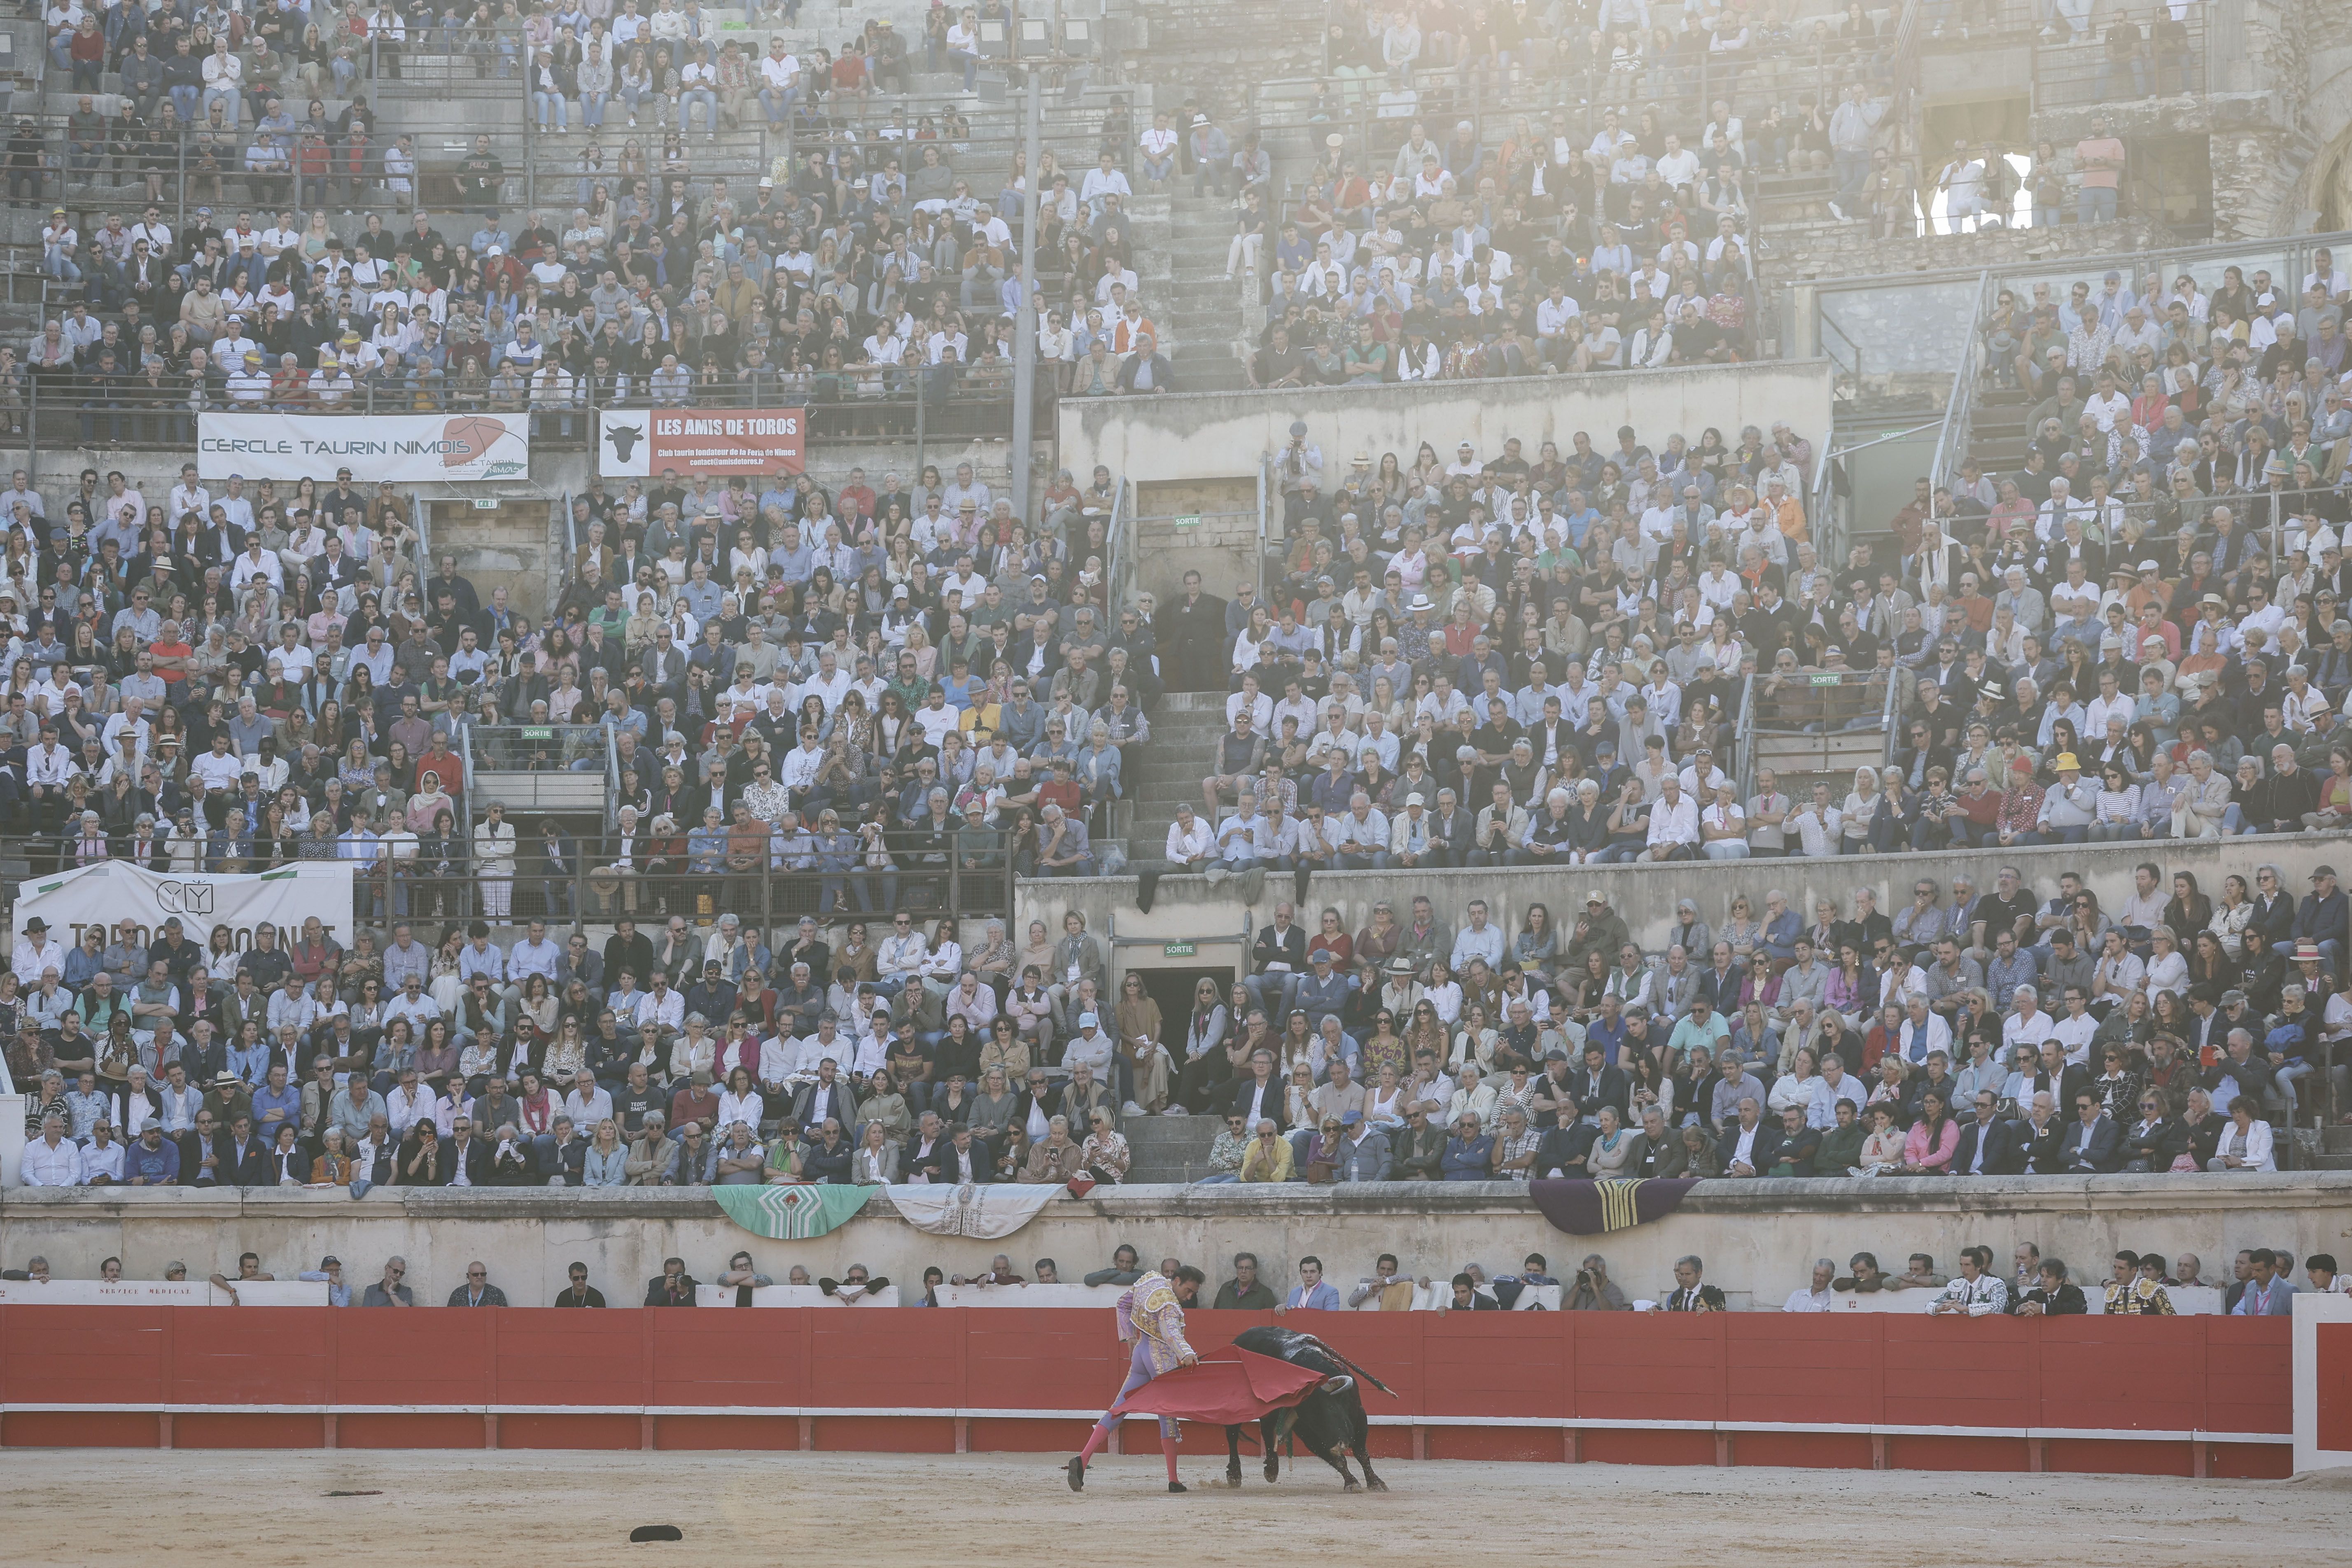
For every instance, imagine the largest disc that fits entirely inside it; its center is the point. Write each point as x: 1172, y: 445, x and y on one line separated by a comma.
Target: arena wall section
x: 1192, y: 436
x: 1993, y: 1393
x: 1760, y: 1238
x: 1218, y: 921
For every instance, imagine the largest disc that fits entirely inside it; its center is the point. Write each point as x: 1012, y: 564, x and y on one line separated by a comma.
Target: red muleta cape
x: 1225, y: 1387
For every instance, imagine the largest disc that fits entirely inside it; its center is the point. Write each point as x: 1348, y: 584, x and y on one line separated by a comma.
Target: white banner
x: 985, y: 1212
x: 161, y: 1293
x: 406, y: 448
x: 112, y: 891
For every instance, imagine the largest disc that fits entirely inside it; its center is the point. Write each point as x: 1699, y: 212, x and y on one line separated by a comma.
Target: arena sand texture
x: 256, y: 1510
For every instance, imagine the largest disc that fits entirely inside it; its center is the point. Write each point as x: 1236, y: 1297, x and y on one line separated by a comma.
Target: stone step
x: 1169, y: 1148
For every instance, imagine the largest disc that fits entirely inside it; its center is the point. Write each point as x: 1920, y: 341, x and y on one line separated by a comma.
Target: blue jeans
x: 967, y: 62
x: 1853, y: 172
x: 776, y: 103
x: 686, y: 102
x: 592, y: 107
x: 542, y: 102
x: 227, y: 97
x: 2096, y: 204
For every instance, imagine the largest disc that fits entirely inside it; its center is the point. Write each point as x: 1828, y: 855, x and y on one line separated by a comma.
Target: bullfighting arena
x: 245, y: 1508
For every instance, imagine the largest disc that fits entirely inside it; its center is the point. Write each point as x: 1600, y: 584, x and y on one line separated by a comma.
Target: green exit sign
x: 1190, y: 520
x: 1176, y: 949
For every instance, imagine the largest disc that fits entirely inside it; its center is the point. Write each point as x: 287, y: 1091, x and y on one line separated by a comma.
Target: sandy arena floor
x: 189, y: 1509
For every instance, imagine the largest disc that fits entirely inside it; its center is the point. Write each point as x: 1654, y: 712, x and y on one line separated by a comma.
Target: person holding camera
x: 1592, y: 1291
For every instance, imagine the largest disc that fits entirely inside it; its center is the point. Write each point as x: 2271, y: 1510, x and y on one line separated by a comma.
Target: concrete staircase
x: 1204, y: 315
x: 1169, y: 1148
x: 1184, y: 731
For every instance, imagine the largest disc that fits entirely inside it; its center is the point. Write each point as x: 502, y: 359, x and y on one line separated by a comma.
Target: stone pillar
x: 12, y: 1138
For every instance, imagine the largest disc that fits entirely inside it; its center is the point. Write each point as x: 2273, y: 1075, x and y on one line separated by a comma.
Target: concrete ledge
x: 1187, y: 909
x: 1765, y: 1198
x: 1758, y: 1238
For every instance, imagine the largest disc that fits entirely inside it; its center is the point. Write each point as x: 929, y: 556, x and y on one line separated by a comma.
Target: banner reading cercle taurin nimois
x: 406, y: 449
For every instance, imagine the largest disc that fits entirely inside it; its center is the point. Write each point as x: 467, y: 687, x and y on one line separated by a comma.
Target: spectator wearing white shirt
x: 52, y: 1159
x: 1674, y: 823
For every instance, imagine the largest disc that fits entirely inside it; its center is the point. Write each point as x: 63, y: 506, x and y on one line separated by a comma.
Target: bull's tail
x: 1345, y: 1362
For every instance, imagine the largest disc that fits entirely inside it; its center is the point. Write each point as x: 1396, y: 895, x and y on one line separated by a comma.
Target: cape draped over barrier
x: 791, y: 1213
x: 1595, y: 1208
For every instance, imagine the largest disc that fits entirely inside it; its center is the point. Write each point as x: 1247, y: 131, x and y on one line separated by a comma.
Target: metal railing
x: 1952, y: 437
x: 1825, y: 518
x: 1268, y: 493
x: 1119, y: 538
x: 2082, y: 71
x: 1743, y: 733
x: 436, y: 879
x: 1931, y: 300
x: 1810, y: 700
x: 526, y: 748
x: 1681, y: 88
x: 63, y: 409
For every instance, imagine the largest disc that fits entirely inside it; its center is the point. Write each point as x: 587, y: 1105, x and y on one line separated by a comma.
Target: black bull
x: 1332, y: 1425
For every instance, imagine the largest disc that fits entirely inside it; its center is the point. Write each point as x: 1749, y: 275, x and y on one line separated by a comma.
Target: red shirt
x: 164, y: 651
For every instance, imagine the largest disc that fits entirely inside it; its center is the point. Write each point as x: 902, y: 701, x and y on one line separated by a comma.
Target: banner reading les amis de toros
x: 640, y: 443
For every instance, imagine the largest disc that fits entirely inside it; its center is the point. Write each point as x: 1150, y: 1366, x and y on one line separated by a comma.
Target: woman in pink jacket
x: 1934, y: 1139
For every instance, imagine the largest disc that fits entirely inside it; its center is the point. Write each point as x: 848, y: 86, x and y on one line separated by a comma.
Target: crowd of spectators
x: 858, y: 683
x: 1968, y: 1033
x: 1453, y: 631
x: 880, y: 264
x: 2260, y: 1283
x: 1614, y: 234
x: 684, y: 1057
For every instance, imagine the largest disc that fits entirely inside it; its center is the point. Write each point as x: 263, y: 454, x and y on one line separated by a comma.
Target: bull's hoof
x: 1273, y: 1469
x: 1377, y: 1484
x: 1233, y: 1479
x: 1351, y: 1485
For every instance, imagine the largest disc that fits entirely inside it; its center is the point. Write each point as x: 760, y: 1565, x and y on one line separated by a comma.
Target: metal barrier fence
x: 2171, y: 59
x: 970, y: 403
x: 432, y: 881
x: 1814, y: 700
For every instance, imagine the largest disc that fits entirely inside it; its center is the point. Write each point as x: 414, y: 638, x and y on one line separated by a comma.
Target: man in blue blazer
x: 2092, y: 1144
x: 1989, y: 1145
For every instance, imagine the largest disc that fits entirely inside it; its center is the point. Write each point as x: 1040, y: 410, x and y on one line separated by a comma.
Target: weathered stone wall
x: 1758, y: 1238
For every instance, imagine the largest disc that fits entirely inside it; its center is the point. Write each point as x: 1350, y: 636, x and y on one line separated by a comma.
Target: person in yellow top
x: 1150, y: 1317
x: 1268, y: 1157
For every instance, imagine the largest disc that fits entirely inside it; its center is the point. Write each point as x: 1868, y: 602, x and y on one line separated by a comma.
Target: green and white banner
x: 794, y: 1213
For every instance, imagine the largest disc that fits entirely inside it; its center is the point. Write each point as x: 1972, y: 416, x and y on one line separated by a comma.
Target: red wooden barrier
x: 1760, y: 1388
